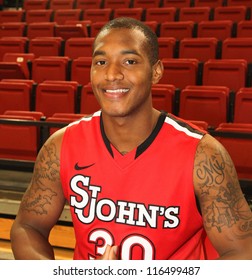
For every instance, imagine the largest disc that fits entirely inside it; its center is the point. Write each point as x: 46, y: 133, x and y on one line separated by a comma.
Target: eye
x: 100, y: 62
x: 130, y: 62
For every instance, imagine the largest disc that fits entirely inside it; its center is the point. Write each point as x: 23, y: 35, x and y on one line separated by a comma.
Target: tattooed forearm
x: 221, y: 200
x: 46, y: 171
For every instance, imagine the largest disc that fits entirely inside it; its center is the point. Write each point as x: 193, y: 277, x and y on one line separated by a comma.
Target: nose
x: 113, y: 72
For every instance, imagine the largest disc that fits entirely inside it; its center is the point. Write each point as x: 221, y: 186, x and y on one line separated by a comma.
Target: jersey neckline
x: 143, y: 146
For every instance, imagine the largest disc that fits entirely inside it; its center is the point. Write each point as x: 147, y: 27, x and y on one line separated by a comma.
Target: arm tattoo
x: 46, y: 172
x: 222, y: 202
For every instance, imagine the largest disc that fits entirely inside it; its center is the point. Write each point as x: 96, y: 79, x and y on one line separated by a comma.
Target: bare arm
x: 41, y: 206
x: 226, y: 214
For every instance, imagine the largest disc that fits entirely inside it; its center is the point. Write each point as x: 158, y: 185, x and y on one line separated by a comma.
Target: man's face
x: 121, y: 73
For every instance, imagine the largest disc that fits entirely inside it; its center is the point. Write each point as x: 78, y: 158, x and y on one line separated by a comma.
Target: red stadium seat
x: 136, y: 13
x: 146, y: 3
x: 96, y: 15
x: 15, y: 96
x: 176, y: 3
x: 68, y: 31
x: 46, y: 46
x: 115, y: 4
x: 209, y: 104
x: 177, y: 29
x: 41, y: 29
x: 23, y: 147
x: 50, y: 68
x: 90, y: 4
x: 180, y: 72
x: 246, y: 3
x: 160, y: 14
x: 163, y: 97
x: 61, y: 4
x: 80, y: 70
x: 88, y: 103
x: 12, y: 44
x: 12, y: 29
x: 9, y: 15
x: 220, y: 29
x: 167, y: 47
x: 63, y: 15
x: 22, y: 60
x: 79, y: 47
x: 237, y: 48
x: 195, y: 14
x: 35, y: 4
x: 208, y: 3
x: 55, y: 97
x: 199, y: 48
x: 225, y: 72
x: 243, y: 106
x: 43, y: 15
x: 234, y: 13
x: 95, y: 27
x: 244, y: 28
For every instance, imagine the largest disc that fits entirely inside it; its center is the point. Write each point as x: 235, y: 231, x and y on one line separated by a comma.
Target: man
x: 141, y: 184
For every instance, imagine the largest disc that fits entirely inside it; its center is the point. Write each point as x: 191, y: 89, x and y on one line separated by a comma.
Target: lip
x: 116, y: 92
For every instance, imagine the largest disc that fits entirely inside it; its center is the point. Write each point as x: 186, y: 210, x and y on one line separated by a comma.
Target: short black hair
x: 131, y: 23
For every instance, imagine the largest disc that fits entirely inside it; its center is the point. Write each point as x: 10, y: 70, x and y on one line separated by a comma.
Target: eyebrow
x: 98, y: 52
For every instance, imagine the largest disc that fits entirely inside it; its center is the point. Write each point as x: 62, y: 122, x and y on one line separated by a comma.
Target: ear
x: 157, y: 72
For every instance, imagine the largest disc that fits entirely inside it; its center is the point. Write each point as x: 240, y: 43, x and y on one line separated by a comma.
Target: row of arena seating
x: 16, y: 49
x: 212, y: 104
x: 220, y: 29
x: 26, y: 146
x: 234, y: 13
x: 181, y: 72
x: 83, y: 4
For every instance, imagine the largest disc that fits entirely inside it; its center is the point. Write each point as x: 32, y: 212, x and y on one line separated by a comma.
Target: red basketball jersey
x: 144, y: 201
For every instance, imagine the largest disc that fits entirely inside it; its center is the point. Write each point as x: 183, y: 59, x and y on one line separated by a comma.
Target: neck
x: 127, y: 133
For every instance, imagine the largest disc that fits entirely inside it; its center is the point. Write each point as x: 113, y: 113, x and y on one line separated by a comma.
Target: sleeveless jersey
x: 144, y: 201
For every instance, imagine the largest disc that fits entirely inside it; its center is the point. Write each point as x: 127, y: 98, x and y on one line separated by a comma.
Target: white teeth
x: 120, y: 90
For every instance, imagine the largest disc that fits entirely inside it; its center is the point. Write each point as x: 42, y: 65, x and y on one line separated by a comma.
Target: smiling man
x: 141, y: 184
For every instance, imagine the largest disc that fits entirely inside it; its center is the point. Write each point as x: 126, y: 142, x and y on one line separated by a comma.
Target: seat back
x: 177, y: 29
x: 195, y: 14
x: 180, y: 72
x: 243, y: 106
x: 237, y: 48
x: 62, y: 15
x: 234, y: 13
x: 43, y: 15
x: 50, y: 68
x: 55, y: 97
x: 23, y: 147
x: 244, y: 28
x: 204, y: 104
x: 15, y: 96
x: 46, y: 46
x: 88, y: 103
x: 90, y: 4
x: 160, y: 14
x: 97, y: 14
x: 43, y: 29
x: 225, y: 72
x: 61, y: 4
x: 146, y: 3
x: 136, y: 13
x: 80, y: 70
x: 11, y: 15
x: 79, y: 47
x: 208, y: 3
x: 12, y: 29
x: 12, y: 45
x: 199, y: 48
x: 176, y: 3
x: 35, y: 4
x: 167, y: 46
x: 220, y: 29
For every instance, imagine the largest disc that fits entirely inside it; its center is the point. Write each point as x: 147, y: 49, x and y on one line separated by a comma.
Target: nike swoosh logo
x: 77, y: 167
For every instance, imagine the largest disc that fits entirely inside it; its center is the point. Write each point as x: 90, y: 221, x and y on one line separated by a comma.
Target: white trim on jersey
x: 182, y: 128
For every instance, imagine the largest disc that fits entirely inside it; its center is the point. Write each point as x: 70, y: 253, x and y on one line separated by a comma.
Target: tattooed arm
x: 226, y: 214
x: 41, y: 205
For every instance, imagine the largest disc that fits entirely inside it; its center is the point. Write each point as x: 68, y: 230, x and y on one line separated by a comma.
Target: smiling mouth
x: 117, y: 91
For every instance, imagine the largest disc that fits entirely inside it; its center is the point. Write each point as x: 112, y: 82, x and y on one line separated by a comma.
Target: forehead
x: 120, y: 37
